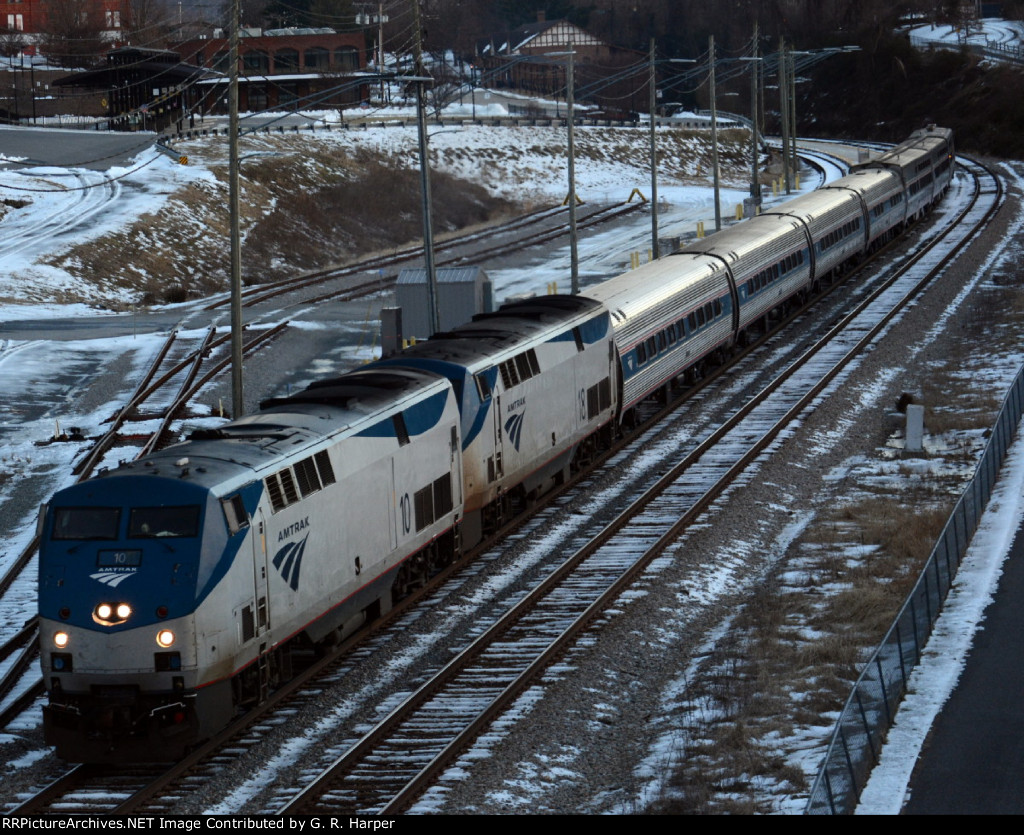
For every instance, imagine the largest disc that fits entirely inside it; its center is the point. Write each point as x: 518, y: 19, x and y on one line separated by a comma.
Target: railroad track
x: 381, y: 264
x: 175, y: 370
x: 131, y: 800
x: 394, y: 763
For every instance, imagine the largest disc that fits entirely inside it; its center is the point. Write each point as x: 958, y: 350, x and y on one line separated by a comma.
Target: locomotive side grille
x: 507, y: 370
x: 523, y: 367
x: 443, y: 495
x: 323, y: 465
x: 519, y: 368
x: 306, y: 475
x: 433, y: 501
x: 248, y: 624
x: 274, y: 490
x: 424, y: 503
x: 599, y: 398
x: 288, y: 484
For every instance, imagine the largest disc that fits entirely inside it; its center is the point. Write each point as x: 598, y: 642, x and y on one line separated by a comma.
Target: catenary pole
x: 784, y: 113
x: 574, y: 259
x: 714, y: 131
x: 237, y: 399
x: 421, y: 123
x: 652, y: 104
x: 755, y: 186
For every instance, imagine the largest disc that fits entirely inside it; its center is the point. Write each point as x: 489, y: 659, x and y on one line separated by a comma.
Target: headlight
x: 61, y: 639
x: 111, y: 614
x: 165, y: 637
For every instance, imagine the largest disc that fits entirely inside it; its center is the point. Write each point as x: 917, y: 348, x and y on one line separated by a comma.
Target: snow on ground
x: 46, y: 210
x: 988, y: 30
x: 102, y: 202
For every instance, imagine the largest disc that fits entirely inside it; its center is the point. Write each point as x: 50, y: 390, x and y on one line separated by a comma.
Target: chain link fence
x: 871, y: 708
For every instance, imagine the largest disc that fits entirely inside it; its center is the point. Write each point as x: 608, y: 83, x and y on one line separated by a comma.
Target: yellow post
x: 650, y: 256
x: 700, y: 228
x: 739, y: 211
x: 798, y: 181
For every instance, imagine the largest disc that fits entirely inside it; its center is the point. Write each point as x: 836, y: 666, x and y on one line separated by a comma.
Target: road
x: 97, y: 150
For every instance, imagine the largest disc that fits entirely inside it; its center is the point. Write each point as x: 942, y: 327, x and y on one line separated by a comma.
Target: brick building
x: 28, y: 18
x: 282, y: 68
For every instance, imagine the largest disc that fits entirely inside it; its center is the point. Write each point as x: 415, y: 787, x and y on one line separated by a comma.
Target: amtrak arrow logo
x: 112, y: 578
x: 289, y: 560
x: 514, y: 428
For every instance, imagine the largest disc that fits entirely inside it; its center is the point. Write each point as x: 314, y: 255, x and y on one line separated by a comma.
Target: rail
x: 871, y: 707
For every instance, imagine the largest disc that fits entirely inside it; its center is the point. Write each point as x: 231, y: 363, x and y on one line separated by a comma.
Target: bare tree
x: 151, y: 22
x: 73, y: 33
x: 12, y: 42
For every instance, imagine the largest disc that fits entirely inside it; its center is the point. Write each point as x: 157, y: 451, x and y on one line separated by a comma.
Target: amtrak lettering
x: 518, y: 403
x: 293, y: 529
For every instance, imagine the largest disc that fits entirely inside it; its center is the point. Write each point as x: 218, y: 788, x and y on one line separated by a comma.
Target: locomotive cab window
x: 234, y: 513
x: 86, y: 522
x: 160, y: 522
x: 483, y: 388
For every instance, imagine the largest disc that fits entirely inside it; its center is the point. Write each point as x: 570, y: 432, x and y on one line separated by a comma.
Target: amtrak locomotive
x: 176, y: 588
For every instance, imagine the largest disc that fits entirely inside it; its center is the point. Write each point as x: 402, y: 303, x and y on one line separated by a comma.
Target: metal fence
x: 1012, y: 52
x: 871, y: 707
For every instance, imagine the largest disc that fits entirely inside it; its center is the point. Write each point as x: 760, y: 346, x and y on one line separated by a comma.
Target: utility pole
x: 653, y: 103
x: 714, y: 131
x: 380, y: 47
x: 792, y: 118
x: 574, y: 260
x: 421, y: 123
x: 237, y: 400
x: 755, y: 185
x: 784, y: 112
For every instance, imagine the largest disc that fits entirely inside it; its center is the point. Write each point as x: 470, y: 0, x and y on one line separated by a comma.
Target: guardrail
x: 698, y: 121
x: 871, y: 708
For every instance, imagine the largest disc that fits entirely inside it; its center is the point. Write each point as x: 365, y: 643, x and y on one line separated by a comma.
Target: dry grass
x: 299, y: 211
x: 790, y: 657
x: 312, y: 229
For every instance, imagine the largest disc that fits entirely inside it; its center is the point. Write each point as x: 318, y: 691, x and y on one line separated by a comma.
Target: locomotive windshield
x: 86, y: 522
x: 148, y: 522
